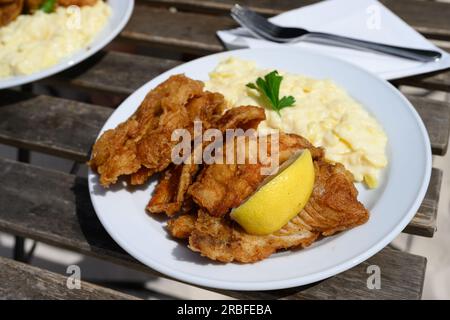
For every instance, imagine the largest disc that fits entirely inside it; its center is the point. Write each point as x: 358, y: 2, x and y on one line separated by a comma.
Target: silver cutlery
x: 262, y: 28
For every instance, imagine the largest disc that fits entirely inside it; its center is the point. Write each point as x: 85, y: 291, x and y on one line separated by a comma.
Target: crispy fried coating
x: 333, y: 207
x: 9, y: 11
x: 182, y: 226
x: 170, y: 192
x: 220, y: 187
x: 141, y: 146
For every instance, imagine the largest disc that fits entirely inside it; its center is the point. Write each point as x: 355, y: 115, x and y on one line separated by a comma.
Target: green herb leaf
x: 269, y: 87
x: 48, y: 6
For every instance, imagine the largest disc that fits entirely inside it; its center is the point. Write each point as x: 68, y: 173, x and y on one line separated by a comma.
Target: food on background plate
x: 319, y: 110
x: 45, y: 36
x: 199, y: 197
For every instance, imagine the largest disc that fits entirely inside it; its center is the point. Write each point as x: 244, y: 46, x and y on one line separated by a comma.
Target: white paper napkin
x: 362, y: 19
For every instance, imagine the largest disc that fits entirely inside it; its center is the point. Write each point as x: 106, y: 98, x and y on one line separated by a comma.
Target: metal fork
x: 262, y: 28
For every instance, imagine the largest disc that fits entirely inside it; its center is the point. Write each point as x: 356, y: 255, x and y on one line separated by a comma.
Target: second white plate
x: 121, y: 13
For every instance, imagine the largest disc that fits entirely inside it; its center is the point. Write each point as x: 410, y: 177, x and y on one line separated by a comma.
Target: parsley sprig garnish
x: 270, y: 88
x: 48, y: 6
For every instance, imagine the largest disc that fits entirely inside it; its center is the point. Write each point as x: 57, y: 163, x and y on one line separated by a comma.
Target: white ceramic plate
x: 121, y: 13
x: 392, y: 205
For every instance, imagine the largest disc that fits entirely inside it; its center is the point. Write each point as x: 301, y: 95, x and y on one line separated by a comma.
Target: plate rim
x: 15, y: 81
x: 293, y: 282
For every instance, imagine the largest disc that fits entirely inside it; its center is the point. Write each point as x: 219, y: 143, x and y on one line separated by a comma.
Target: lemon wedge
x: 278, y: 200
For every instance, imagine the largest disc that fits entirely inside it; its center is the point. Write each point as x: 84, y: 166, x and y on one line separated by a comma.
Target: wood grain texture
x: 117, y: 72
x: 399, y: 274
x: 195, y: 33
x: 186, y: 32
x: 436, y: 117
x: 266, y: 7
x: 424, y: 222
x: 55, y: 208
x: 55, y: 126
x: 427, y: 17
x: 19, y: 281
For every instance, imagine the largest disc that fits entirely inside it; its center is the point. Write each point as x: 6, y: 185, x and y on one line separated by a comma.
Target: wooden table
x: 54, y: 207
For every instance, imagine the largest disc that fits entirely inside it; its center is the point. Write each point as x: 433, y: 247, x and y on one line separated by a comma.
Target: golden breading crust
x: 170, y: 192
x: 219, y: 238
x: 9, y: 11
x: 220, y: 187
x: 333, y: 207
x: 142, y: 146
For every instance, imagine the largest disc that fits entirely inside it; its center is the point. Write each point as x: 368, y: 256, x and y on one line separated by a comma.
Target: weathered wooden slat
x: 195, y: 33
x: 19, y: 281
x: 436, y: 117
x: 182, y: 31
x: 111, y: 72
x: 55, y: 208
x: 267, y: 7
x: 424, y: 222
x: 55, y: 126
x: 427, y: 17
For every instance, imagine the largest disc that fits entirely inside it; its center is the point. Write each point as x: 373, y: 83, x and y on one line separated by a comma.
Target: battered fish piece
x: 333, y: 207
x: 9, y: 11
x: 141, y: 146
x: 221, y: 187
x: 221, y: 239
x: 169, y: 194
x: 182, y: 226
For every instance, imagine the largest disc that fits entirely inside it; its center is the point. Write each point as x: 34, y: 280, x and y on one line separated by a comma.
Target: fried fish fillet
x: 219, y: 238
x: 9, y: 11
x: 220, y: 187
x: 333, y: 207
x: 169, y: 194
x: 141, y: 146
